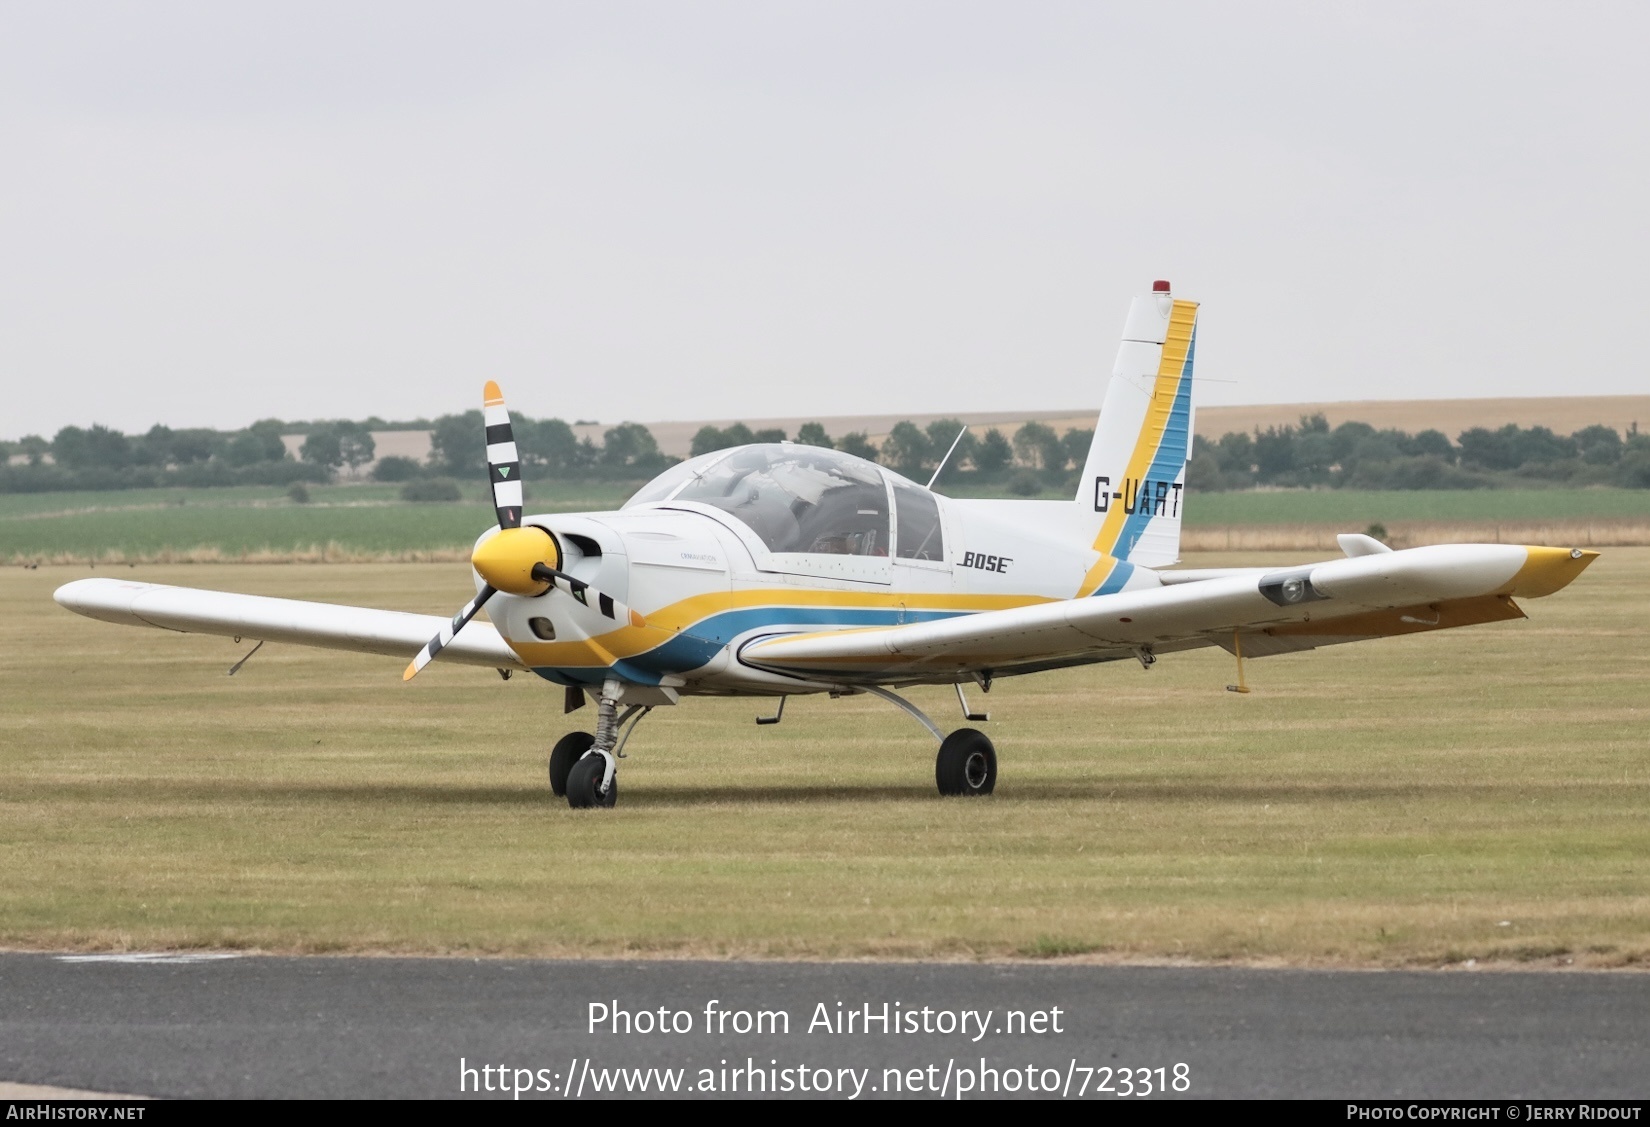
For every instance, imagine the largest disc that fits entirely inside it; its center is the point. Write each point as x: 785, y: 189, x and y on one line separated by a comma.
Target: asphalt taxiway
x: 205, y: 1026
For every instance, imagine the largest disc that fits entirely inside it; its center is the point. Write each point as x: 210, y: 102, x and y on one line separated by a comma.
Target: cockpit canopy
x: 808, y: 500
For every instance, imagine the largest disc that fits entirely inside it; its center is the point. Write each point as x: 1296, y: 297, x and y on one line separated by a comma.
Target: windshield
x: 796, y: 498
x: 668, y: 482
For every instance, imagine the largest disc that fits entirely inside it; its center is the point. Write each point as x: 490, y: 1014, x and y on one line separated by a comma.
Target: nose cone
x: 506, y: 561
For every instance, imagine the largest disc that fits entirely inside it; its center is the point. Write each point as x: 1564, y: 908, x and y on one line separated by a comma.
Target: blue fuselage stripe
x: 701, y: 642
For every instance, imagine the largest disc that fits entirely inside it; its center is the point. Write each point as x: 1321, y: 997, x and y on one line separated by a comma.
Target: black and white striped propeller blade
x: 605, y: 605
x: 503, y: 459
x: 504, y: 476
x: 436, y: 644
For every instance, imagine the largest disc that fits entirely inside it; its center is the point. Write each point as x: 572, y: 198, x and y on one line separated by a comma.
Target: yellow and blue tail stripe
x: 1159, y: 455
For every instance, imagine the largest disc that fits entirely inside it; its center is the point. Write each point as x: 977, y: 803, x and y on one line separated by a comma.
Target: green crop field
x: 1360, y: 507
x: 1355, y: 508
x: 253, y: 520
x: 1472, y: 794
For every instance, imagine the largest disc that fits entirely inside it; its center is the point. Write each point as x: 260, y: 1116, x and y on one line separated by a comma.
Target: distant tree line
x: 1034, y: 459
x: 1356, y: 455
x: 100, y: 457
x: 548, y: 447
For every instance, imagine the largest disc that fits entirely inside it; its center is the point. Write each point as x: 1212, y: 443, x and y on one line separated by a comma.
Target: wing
x: 360, y: 629
x: 1277, y: 611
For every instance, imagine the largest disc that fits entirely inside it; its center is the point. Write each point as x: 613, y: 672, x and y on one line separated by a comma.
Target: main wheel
x: 584, y: 781
x: 567, y: 751
x: 966, y: 764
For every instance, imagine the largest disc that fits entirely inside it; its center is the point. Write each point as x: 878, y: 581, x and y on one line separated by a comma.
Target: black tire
x: 583, y: 781
x: 567, y: 751
x: 966, y: 764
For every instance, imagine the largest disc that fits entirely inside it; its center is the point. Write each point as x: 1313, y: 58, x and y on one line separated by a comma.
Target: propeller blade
x: 511, y: 560
x: 605, y: 605
x: 436, y: 644
x: 503, y: 459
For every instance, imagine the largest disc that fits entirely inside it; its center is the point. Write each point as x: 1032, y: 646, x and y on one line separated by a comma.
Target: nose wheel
x: 591, y: 784
x: 966, y: 763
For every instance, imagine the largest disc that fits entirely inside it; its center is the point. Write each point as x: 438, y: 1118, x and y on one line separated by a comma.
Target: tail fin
x: 1133, y: 489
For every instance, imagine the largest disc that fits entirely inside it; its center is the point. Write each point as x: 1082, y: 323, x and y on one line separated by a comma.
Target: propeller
x: 518, y: 561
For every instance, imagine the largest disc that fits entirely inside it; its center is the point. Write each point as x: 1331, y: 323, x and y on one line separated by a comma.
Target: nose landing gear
x: 585, y: 767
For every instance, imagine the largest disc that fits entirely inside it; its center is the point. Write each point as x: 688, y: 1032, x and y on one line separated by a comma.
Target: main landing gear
x: 966, y: 763
x: 585, y: 767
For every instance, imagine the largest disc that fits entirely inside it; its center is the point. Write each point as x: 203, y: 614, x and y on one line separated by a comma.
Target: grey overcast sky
x: 214, y: 212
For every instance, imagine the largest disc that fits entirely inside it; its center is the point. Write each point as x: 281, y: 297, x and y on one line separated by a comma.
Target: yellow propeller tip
x: 491, y: 394
x: 637, y: 620
x: 410, y: 672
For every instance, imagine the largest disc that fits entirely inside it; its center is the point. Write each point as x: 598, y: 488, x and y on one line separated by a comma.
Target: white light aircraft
x: 777, y: 569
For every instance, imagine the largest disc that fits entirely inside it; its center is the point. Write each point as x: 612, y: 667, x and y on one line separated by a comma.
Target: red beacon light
x: 1160, y: 287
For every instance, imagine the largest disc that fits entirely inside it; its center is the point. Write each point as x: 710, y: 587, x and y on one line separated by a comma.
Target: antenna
x: 947, y: 457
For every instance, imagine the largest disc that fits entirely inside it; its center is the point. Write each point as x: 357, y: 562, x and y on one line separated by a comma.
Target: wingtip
x: 491, y: 395
x: 1547, y: 570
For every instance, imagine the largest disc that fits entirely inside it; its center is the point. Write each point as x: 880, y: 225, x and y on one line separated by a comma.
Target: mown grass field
x: 1479, y: 794
x: 348, y: 521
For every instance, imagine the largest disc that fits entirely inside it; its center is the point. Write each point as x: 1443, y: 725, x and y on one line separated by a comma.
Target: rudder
x: 1133, y: 489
